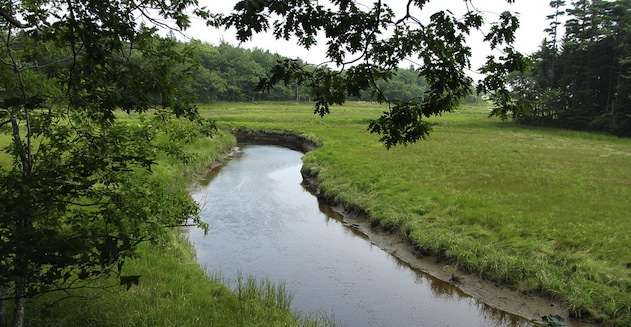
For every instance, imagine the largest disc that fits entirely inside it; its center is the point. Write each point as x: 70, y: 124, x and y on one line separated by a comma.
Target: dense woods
x: 228, y: 73
x: 580, y: 79
x: 216, y: 73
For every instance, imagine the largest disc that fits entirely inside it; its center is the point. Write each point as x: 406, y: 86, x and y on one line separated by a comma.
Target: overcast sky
x: 532, y: 14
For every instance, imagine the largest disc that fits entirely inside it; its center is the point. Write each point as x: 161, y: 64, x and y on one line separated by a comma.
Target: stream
x: 264, y: 224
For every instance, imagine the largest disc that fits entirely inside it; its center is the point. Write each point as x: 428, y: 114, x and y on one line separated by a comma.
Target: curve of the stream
x: 264, y: 224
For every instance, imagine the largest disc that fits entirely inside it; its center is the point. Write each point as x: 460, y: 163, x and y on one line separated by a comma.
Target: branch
x: 157, y: 22
x: 12, y: 20
x: 407, y: 13
x: 180, y: 225
x: 62, y: 289
x: 80, y: 204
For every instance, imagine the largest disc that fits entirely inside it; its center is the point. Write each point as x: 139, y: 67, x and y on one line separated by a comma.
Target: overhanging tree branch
x: 11, y: 20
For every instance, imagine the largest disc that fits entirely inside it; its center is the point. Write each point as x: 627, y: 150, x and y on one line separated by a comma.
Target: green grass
x: 5, y: 160
x: 545, y: 210
x: 173, y: 290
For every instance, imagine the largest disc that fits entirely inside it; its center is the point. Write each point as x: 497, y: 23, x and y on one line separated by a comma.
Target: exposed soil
x: 285, y: 139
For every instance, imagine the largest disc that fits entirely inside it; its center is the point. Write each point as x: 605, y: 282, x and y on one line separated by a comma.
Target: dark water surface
x: 263, y: 223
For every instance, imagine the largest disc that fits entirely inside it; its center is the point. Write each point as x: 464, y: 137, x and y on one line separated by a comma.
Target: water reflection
x: 265, y: 224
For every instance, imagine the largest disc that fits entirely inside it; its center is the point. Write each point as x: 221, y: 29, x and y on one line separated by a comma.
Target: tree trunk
x: 18, y: 311
x: 18, y: 320
x: 3, y: 319
x: 25, y: 223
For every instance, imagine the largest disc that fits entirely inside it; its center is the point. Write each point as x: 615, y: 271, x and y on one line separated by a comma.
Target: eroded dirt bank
x: 394, y: 242
x: 285, y: 139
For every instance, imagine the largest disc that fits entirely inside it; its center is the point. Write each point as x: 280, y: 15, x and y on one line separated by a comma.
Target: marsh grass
x: 272, y: 295
x: 544, y: 210
x: 173, y: 290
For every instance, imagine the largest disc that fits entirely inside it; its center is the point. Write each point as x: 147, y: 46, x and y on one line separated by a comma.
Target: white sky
x: 532, y: 14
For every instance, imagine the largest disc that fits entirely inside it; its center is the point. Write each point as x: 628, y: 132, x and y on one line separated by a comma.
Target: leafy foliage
x: 229, y: 73
x: 79, y: 196
x: 367, y: 45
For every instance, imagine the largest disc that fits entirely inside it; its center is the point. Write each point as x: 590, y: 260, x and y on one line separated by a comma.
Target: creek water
x: 264, y: 224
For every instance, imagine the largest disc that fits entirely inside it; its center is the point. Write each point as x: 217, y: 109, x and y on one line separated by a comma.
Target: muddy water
x: 263, y: 223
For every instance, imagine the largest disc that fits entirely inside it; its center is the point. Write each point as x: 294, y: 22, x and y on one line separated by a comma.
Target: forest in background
x: 225, y: 73
x: 228, y: 73
x: 580, y: 79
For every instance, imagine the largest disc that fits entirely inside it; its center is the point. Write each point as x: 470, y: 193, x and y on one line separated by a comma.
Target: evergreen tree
x: 582, y: 84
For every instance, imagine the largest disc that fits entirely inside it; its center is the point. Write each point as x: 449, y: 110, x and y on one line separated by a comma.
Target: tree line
x: 230, y: 73
x: 580, y: 79
x: 227, y: 73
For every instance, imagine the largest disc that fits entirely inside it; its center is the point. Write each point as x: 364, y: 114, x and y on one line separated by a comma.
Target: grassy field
x: 174, y: 290
x: 544, y: 210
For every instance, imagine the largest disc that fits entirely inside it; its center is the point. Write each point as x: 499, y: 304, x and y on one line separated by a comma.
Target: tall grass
x: 273, y: 295
x: 173, y: 291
